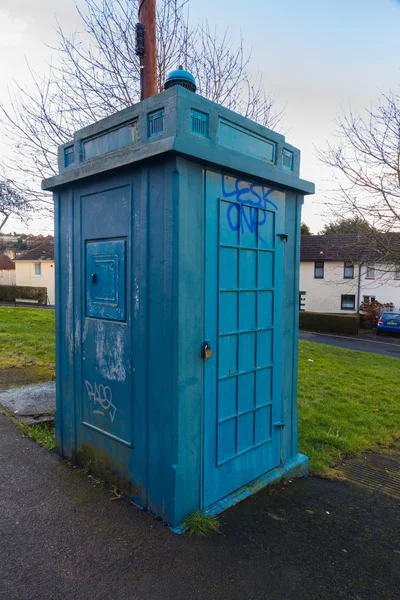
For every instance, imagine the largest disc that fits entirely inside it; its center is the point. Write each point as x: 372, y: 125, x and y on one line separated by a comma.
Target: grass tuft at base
x: 200, y: 524
x: 43, y: 434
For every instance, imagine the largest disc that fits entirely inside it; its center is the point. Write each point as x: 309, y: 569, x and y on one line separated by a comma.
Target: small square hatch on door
x: 105, y: 279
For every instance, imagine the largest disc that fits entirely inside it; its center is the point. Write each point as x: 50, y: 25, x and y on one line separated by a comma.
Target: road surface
x: 389, y: 346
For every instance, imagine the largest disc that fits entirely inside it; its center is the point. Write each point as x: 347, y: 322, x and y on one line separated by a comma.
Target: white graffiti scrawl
x: 102, y: 398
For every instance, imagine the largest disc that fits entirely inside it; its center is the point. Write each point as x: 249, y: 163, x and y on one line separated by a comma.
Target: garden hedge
x: 8, y: 293
x: 330, y: 323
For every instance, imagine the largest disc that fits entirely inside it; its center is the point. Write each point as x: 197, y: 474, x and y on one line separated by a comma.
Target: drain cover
x: 375, y: 472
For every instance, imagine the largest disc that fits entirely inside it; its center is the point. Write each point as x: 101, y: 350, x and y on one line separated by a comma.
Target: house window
x: 319, y: 269
x: 348, y: 270
x: 348, y: 302
x: 38, y: 269
x: 368, y: 299
x: 397, y: 272
x: 370, y: 272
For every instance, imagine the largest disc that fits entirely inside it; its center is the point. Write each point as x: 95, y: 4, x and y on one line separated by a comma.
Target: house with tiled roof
x: 339, y: 272
x: 7, y: 270
x: 35, y: 268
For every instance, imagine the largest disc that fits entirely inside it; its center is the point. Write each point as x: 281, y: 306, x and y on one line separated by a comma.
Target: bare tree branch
x: 96, y: 72
x: 366, y: 161
x: 12, y: 204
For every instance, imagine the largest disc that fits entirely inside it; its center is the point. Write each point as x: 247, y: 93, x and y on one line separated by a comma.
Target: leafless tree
x: 96, y: 73
x: 366, y: 165
x: 11, y: 204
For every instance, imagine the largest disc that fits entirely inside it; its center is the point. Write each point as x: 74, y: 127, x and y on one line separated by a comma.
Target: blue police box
x: 177, y: 228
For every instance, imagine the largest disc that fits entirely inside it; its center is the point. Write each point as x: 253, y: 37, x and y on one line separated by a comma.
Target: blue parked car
x: 388, y: 321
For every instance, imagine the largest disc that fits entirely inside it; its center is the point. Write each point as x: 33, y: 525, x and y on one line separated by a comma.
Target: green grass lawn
x: 27, y: 340
x: 348, y: 402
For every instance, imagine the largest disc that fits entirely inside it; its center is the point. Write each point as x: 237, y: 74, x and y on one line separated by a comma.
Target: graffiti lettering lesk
x: 246, y: 213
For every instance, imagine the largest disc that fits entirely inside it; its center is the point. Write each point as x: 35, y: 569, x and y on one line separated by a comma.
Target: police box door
x: 243, y: 327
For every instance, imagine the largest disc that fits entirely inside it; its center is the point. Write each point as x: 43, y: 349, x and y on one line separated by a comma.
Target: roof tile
x: 358, y: 247
x: 43, y: 251
x: 6, y: 264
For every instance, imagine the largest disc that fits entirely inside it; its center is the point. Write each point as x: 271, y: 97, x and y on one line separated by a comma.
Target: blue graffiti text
x: 245, y: 215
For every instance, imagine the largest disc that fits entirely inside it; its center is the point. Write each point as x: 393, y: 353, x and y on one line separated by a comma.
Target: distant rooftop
x: 358, y: 247
x: 43, y: 251
x: 6, y: 264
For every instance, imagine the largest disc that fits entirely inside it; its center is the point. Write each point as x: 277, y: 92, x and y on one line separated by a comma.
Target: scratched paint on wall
x: 110, y: 352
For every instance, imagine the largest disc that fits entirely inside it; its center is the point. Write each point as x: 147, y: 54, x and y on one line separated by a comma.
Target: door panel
x: 105, y: 279
x: 106, y: 395
x: 243, y: 282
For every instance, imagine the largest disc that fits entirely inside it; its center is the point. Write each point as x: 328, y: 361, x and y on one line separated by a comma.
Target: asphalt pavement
x: 62, y: 537
x: 30, y: 400
x: 389, y: 346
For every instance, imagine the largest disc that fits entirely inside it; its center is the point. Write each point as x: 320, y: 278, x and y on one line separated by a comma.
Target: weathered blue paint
x: 69, y: 156
x: 118, y: 137
x: 243, y: 280
x: 176, y: 136
x: 233, y: 136
x: 287, y: 159
x: 155, y: 123
x: 198, y: 123
x: 162, y: 243
x: 105, y: 279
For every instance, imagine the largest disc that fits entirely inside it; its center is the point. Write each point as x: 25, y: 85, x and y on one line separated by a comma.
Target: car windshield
x: 391, y: 315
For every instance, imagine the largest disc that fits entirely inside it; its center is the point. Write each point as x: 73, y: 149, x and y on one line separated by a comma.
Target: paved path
x: 62, y: 538
x: 30, y: 400
x: 385, y: 346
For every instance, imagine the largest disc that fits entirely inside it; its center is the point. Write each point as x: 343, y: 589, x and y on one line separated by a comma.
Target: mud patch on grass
x: 17, y: 377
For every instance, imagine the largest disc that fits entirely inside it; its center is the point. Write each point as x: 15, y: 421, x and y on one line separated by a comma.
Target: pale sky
x: 317, y: 56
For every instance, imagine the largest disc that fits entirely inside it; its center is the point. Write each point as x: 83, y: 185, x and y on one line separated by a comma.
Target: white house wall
x: 324, y: 295
x: 25, y: 275
x: 384, y: 286
x: 7, y: 277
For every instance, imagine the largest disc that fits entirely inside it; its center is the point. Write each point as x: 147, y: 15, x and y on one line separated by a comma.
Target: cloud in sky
x: 13, y: 28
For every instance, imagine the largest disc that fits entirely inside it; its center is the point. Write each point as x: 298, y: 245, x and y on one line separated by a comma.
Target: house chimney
x: 10, y: 253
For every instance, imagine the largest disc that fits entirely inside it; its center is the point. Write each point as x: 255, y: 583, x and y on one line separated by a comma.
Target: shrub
x: 371, y: 311
x: 8, y: 293
x: 329, y: 323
